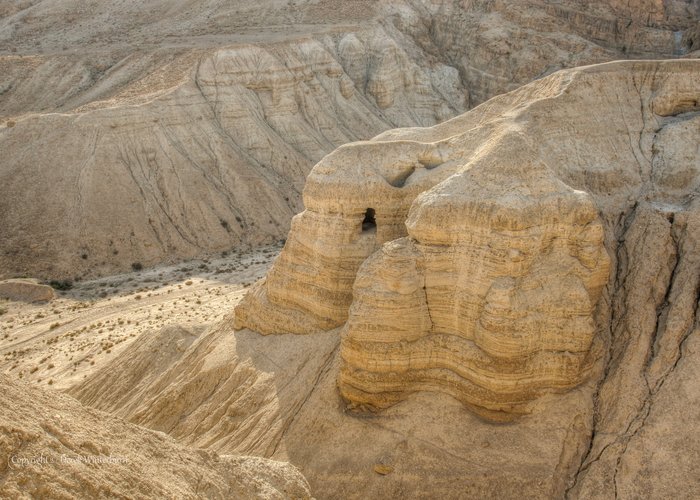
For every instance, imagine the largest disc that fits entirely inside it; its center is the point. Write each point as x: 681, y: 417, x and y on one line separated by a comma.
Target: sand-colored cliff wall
x: 482, y: 273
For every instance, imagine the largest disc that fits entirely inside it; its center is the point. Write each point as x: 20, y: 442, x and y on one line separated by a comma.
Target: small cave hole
x: 369, y: 221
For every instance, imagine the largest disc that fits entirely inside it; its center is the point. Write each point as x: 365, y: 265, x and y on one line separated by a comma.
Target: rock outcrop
x: 201, y: 140
x: 481, y: 270
x: 511, y: 214
x: 26, y: 290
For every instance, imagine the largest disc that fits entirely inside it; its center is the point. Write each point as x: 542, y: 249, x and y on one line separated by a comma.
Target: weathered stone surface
x: 26, y: 290
x: 494, y: 243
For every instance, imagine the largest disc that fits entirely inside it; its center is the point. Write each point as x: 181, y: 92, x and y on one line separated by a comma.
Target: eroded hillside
x: 526, y: 261
x: 157, y: 131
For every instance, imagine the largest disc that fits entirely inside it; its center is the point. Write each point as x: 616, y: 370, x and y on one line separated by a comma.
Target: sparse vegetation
x: 136, y: 266
x: 61, y: 285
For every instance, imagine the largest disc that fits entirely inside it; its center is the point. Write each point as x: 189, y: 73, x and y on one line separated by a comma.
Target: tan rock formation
x: 492, y: 296
x: 26, y: 290
x: 53, y: 447
x: 613, y: 144
x: 155, y: 131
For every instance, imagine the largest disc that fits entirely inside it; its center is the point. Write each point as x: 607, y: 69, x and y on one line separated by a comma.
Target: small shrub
x: 136, y: 266
x: 3, y: 311
x: 61, y: 284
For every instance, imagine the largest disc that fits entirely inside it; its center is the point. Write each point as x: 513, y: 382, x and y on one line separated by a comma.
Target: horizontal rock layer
x: 493, y: 238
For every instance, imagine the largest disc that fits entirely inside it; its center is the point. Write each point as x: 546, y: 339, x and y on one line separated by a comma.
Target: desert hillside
x: 328, y: 249
x: 148, y: 132
x: 48, y: 441
x: 501, y: 305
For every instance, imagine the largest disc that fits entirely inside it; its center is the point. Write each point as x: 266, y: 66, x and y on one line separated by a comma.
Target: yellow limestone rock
x: 470, y: 257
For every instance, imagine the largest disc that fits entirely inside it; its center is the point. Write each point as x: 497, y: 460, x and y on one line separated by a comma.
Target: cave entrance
x: 369, y: 222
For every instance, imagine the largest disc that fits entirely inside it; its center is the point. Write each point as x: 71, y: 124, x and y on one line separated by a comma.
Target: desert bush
x: 61, y: 284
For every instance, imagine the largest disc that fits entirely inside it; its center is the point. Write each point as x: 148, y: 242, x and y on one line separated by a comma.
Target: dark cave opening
x: 369, y: 222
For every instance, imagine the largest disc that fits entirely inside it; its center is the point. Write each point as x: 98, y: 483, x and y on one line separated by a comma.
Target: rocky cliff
x: 534, y: 260
x: 485, y: 270
x: 159, y: 131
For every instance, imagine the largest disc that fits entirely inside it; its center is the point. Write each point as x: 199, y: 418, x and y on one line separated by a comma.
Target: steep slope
x: 534, y: 260
x: 141, y: 132
x: 53, y: 447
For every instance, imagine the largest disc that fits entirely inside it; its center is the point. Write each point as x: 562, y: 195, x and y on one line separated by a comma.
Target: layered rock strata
x: 474, y: 257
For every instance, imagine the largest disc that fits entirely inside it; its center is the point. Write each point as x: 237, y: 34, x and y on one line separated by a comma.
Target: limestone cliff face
x: 147, y: 132
x: 485, y: 270
x: 549, y: 236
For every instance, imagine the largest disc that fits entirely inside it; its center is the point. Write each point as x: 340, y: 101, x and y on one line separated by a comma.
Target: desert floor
x: 58, y: 343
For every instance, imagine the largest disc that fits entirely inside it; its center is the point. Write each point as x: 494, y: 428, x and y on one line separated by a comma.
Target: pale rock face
x: 331, y: 239
x: 26, y: 290
x: 483, y: 271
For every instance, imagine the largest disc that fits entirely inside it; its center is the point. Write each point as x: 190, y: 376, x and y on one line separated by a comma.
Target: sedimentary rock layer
x: 489, y: 245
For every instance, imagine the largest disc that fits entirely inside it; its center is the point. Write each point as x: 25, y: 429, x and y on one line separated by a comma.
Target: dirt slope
x: 53, y: 447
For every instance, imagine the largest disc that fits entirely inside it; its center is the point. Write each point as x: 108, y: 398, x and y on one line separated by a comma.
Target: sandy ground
x: 59, y: 343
